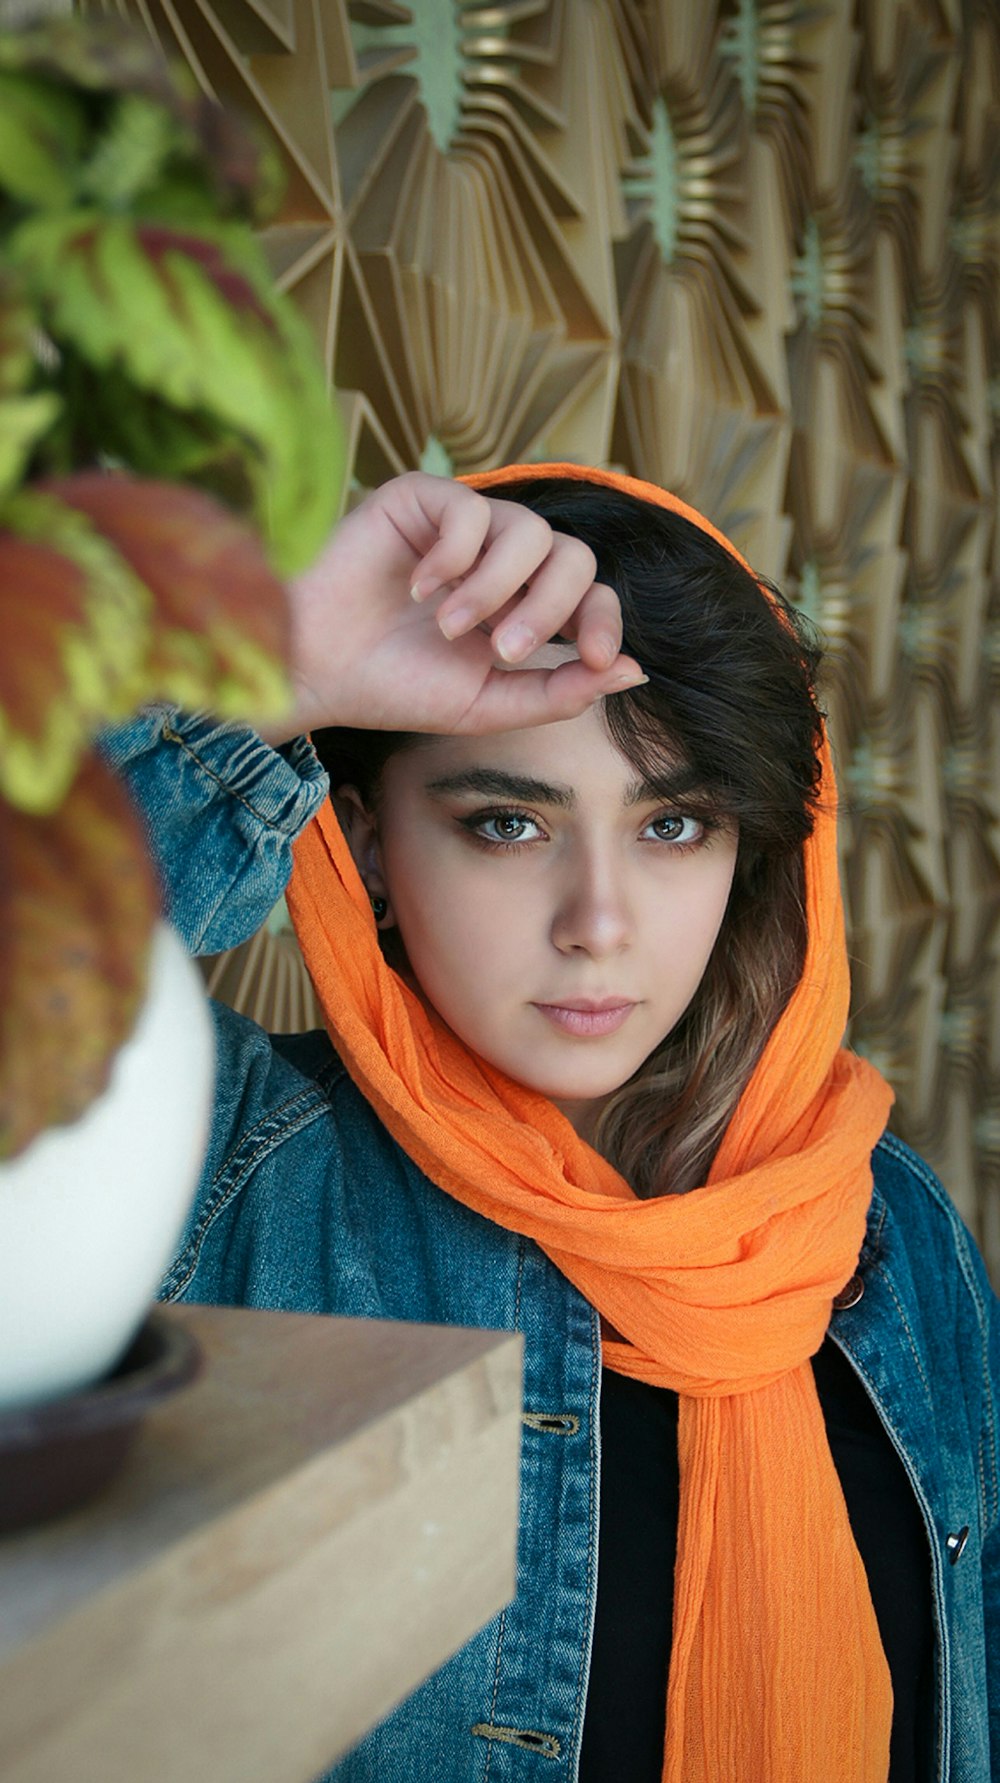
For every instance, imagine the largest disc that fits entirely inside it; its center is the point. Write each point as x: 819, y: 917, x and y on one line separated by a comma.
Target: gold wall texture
x: 749, y: 249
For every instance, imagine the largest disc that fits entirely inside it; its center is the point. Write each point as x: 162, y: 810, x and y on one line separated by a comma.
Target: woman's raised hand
x: 424, y: 600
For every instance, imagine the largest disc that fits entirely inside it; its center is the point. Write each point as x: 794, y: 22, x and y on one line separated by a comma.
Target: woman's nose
x: 592, y: 913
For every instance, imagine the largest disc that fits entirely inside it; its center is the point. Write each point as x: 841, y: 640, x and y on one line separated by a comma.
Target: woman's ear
x: 358, y: 825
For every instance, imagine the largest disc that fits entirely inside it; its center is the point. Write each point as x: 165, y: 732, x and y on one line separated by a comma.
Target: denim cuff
x: 282, y: 788
x: 221, y: 810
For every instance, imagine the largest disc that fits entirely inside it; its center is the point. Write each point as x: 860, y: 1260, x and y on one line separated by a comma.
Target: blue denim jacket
x: 308, y: 1204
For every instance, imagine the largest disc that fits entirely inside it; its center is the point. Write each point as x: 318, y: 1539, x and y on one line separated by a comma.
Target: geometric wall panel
x: 749, y: 248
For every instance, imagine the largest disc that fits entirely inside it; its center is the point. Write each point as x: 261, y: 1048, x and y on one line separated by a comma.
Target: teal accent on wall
x: 657, y: 178
x: 740, y: 42
x: 436, y: 459
x: 435, y: 32
x: 808, y: 277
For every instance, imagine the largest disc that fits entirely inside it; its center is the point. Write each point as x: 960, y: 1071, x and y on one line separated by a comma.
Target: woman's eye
x: 504, y: 826
x: 670, y: 828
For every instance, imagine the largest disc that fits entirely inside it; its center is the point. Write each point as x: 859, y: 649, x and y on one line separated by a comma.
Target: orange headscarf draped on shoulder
x: 777, y: 1673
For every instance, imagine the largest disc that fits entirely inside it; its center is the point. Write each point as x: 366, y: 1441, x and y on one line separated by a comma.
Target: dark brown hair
x: 731, y: 694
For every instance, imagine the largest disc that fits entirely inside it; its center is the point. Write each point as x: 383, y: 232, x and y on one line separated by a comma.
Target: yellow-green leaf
x: 214, y: 163
x: 41, y: 136
x: 17, y: 337
x: 75, y: 623
x: 218, y: 634
x: 23, y: 421
x: 191, y: 320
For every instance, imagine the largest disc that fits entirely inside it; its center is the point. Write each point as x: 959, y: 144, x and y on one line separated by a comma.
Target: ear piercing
x: 380, y: 907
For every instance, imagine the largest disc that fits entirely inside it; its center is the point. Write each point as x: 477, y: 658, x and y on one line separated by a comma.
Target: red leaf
x: 160, y: 242
x: 78, y: 900
x: 209, y: 578
x: 74, y: 624
x: 44, y: 593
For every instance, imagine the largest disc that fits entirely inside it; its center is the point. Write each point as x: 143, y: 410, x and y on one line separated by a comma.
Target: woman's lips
x: 586, y: 1019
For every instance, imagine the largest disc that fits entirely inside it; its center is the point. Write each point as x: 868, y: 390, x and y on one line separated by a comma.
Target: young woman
x: 578, y: 942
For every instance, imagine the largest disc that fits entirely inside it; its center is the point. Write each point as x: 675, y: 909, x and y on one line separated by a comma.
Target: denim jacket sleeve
x: 991, y: 1545
x: 222, y: 809
x: 987, y: 1365
x: 991, y: 1602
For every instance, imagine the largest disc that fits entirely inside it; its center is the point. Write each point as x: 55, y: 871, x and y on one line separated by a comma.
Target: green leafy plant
x: 168, y: 454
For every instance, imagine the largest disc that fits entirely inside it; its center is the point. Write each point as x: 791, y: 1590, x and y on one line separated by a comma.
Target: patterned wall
x: 748, y: 248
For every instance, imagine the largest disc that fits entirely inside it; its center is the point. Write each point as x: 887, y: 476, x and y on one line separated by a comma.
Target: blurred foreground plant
x: 168, y: 454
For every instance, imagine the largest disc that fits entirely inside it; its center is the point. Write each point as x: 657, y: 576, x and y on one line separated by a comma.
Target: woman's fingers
x: 551, y: 606
x: 501, y: 566
x: 484, y: 568
x: 490, y: 575
x: 447, y: 524
x: 554, y: 595
x: 594, y: 622
x: 515, y: 700
x: 518, y: 547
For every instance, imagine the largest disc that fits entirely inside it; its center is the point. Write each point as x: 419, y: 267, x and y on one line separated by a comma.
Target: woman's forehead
x: 572, y: 751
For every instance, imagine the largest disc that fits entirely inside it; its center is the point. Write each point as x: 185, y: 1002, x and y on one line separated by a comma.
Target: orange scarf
x: 777, y: 1673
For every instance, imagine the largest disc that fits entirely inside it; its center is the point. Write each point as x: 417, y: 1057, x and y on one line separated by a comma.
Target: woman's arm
x: 415, y: 617
x: 379, y: 640
x: 424, y: 599
x: 222, y: 809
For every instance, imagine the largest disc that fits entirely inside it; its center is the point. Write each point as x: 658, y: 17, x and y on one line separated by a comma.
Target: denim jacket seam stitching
x: 904, y: 1321
x: 271, y: 823
x: 988, y: 1443
x: 989, y: 1489
x: 581, y: 1680
x: 231, y: 1178
x: 924, y: 1174
x: 988, y: 1460
x: 988, y: 1450
x: 501, y: 1631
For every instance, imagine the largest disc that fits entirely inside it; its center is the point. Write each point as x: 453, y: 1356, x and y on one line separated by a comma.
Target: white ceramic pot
x: 90, y: 1214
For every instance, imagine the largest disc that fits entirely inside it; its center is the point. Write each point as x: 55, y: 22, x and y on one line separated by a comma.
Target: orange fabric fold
x: 777, y: 1673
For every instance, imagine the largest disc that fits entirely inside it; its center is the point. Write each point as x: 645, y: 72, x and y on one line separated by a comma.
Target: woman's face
x: 555, y: 910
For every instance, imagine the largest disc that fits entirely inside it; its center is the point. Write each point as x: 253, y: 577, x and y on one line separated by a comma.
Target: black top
x: 623, y: 1730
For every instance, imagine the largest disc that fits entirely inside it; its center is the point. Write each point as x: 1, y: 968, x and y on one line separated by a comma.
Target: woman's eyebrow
x: 493, y: 783
x: 667, y: 786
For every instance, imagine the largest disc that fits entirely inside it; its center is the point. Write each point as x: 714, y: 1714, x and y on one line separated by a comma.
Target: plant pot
x: 56, y: 1456
x: 91, y: 1214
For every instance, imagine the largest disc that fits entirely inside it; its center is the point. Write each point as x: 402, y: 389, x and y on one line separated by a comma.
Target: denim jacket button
x: 849, y: 1294
x: 955, y: 1544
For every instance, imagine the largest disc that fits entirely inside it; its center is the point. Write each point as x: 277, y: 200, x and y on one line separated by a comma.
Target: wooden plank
x: 296, y: 1543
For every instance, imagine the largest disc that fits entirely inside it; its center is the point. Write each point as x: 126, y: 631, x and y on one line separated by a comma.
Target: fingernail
x: 609, y: 646
x: 621, y: 682
x: 458, y: 620
x: 515, y: 642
